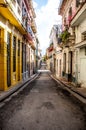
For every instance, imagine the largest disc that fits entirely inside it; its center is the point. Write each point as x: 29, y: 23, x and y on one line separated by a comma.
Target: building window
x: 14, y: 53
x: 70, y: 11
x: 60, y: 67
x: 77, y: 3
x: 70, y: 61
x: 80, y: 2
x: 13, y: 2
x: 85, y: 51
x: 83, y: 37
x: 64, y: 62
x: 70, y: 14
x: 57, y: 66
x: 65, y: 21
x: 19, y: 2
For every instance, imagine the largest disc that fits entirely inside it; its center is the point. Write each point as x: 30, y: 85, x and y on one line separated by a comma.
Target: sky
x: 46, y: 16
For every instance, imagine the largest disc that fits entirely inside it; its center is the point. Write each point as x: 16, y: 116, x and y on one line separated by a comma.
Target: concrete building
x: 38, y: 55
x: 39, y: 58
x: 57, y: 50
x: 66, y: 10
x: 49, y: 58
x: 74, y: 40
x: 17, y: 37
x: 79, y: 23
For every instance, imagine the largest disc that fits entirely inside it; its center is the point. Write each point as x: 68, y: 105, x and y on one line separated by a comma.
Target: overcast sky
x: 46, y: 17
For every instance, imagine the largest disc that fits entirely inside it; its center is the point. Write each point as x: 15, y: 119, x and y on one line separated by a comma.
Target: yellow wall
x: 5, y: 27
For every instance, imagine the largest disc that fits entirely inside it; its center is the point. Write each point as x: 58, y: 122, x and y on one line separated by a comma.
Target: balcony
x: 24, y: 21
x: 80, y: 2
x: 32, y: 9
x: 79, y: 16
x: 66, y: 39
x: 30, y: 40
x: 29, y: 30
x: 67, y: 21
x: 50, y: 56
x: 15, y: 8
x: 29, y: 36
x: 12, y: 12
x: 62, y: 2
x: 63, y: 39
x: 33, y: 25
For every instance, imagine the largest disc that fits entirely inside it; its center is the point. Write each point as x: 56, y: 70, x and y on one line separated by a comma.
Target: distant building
x: 49, y: 57
x: 57, y: 50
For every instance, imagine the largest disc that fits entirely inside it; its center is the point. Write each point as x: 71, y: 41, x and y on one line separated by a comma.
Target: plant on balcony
x: 64, y: 36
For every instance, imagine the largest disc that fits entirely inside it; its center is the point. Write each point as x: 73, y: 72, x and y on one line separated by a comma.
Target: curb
x: 78, y: 96
x: 18, y: 87
x: 72, y: 89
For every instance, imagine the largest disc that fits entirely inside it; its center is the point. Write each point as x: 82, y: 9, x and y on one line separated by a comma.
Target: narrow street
x: 42, y: 105
x: 42, y: 64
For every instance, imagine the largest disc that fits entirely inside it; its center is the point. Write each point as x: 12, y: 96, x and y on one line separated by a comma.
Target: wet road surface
x: 42, y: 105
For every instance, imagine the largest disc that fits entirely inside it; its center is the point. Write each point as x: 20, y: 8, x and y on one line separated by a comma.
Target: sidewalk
x: 78, y: 93
x: 5, y: 94
x: 79, y: 90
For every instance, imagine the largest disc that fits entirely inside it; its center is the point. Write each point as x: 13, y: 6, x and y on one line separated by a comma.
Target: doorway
x: 8, y: 59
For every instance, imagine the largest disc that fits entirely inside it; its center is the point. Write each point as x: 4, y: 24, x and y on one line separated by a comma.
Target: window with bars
x: 19, y: 2
x: 85, y: 51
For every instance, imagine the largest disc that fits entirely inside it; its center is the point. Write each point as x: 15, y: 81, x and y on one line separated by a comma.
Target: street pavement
x: 42, y: 105
x: 78, y: 92
x: 15, y: 88
x: 81, y: 91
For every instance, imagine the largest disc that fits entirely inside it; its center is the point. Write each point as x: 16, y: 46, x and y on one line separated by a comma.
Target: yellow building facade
x: 10, y: 54
x: 16, y: 37
x: 11, y: 32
